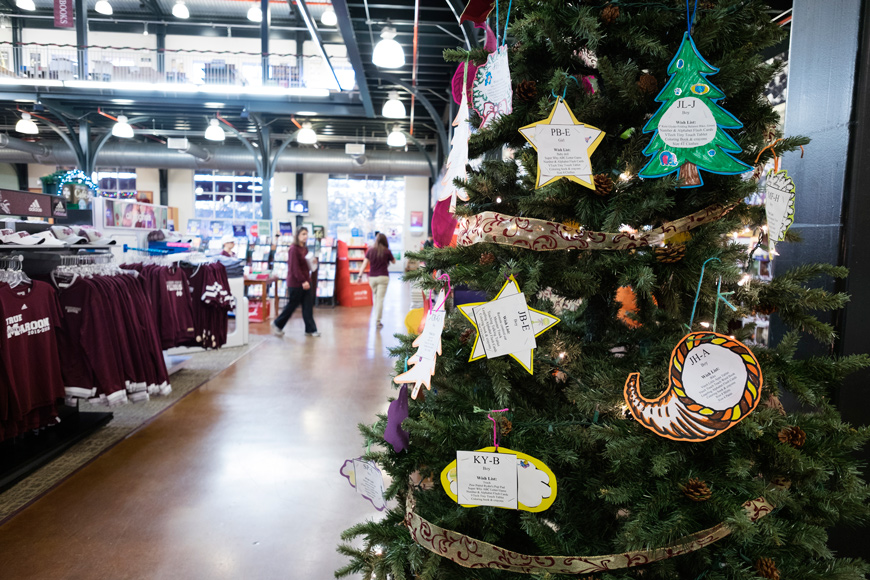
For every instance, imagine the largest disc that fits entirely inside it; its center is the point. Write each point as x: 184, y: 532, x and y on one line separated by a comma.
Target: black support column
x: 17, y: 25
x: 300, y: 193
x: 264, y: 38
x: 828, y: 102
x: 163, y: 178
x: 82, y: 37
x: 161, y: 49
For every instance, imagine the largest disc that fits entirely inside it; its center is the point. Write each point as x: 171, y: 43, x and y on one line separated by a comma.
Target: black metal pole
x: 82, y: 37
x: 17, y: 25
x: 264, y: 38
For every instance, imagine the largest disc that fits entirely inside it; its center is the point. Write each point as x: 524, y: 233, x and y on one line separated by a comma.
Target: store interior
x: 159, y: 160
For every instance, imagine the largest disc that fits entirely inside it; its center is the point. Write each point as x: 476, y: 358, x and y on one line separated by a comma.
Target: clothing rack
x: 145, y: 250
x: 23, y: 455
x: 14, y: 263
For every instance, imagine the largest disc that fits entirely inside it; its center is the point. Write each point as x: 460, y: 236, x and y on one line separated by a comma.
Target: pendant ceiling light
x: 306, y: 135
x: 393, y: 108
x: 328, y: 18
x: 25, y: 4
x: 215, y: 132
x: 396, y: 138
x: 122, y: 128
x: 179, y: 10
x: 103, y: 7
x: 26, y: 125
x: 255, y: 14
x: 388, y: 53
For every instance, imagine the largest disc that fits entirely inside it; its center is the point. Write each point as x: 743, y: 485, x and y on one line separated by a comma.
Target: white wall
x: 35, y: 171
x: 68, y: 36
x: 314, y: 190
x: 8, y: 177
x: 180, y: 195
x: 416, y: 199
x: 148, y: 179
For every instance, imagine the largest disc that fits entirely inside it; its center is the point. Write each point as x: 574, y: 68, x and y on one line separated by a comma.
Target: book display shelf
x: 351, y: 289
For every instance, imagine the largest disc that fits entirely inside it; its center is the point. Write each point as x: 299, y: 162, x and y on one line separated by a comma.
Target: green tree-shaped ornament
x: 689, y: 125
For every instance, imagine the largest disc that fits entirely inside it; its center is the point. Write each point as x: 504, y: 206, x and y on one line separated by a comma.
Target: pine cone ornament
x: 794, y: 436
x: 505, y: 426
x: 648, y: 84
x: 766, y: 568
x: 609, y: 14
x: 561, y: 377
x: 670, y: 254
x: 603, y: 184
x: 527, y: 91
x: 765, y: 309
x: 466, y: 334
x: 487, y: 258
x: 696, y: 490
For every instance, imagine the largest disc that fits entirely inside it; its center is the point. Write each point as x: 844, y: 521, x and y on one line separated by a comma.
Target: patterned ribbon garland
x: 471, y: 553
x: 542, y: 236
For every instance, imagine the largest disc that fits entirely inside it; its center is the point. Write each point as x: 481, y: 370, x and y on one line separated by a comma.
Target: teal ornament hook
x: 719, y: 296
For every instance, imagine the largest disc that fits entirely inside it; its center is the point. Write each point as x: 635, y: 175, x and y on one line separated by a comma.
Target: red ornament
x: 476, y: 11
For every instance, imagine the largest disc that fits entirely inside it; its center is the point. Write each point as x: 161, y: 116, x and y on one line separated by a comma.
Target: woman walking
x: 380, y: 257
x: 300, y: 287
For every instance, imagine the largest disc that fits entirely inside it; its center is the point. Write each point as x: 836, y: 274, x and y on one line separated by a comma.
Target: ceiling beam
x: 305, y: 14
x: 155, y: 8
x: 346, y: 27
x: 456, y: 6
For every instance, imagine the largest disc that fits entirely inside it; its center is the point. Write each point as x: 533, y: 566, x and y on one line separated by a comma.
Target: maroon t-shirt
x: 378, y: 264
x: 28, y: 346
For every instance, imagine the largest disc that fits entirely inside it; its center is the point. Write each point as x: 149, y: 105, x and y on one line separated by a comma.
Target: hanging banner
x: 64, y: 14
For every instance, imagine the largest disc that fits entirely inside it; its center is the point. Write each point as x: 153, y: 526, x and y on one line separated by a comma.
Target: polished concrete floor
x: 239, y: 480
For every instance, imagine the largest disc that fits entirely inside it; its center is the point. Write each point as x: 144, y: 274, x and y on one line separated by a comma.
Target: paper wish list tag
x: 501, y: 478
x: 564, y: 146
x: 507, y: 326
x: 367, y: 479
x: 492, y: 95
x: 779, y: 205
x: 715, y: 382
x: 428, y: 345
x: 689, y: 128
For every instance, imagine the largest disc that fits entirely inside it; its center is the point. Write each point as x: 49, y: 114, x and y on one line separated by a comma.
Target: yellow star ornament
x: 507, y: 326
x: 564, y: 146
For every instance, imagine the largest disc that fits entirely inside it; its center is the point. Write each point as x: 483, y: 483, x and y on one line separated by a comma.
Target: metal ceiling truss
x: 71, y: 106
x: 305, y: 14
x: 345, y: 25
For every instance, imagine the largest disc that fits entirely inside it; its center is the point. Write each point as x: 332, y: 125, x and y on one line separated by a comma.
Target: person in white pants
x: 379, y: 257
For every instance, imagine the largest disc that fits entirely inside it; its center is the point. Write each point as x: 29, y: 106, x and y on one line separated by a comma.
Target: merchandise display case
x: 349, y: 289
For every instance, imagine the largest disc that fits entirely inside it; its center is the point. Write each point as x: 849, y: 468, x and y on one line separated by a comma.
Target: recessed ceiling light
x: 24, y: 101
x: 215, y: 105
x: 123, y: 101
x: 307, y: 113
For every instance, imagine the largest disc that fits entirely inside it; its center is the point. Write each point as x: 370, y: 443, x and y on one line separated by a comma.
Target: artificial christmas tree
x: 620, y: 499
